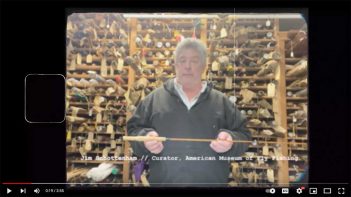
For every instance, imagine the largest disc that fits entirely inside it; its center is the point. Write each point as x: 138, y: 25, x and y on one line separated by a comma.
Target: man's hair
x: 195, y: 44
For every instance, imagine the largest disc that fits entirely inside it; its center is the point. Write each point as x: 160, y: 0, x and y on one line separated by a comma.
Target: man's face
x: 189, y: 67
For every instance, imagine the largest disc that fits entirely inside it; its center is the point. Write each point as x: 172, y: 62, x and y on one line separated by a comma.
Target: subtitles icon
x: 285, y: 190
x: 313, y: 190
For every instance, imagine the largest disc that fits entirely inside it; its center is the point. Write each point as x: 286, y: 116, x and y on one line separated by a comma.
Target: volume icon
x: 37, y: 190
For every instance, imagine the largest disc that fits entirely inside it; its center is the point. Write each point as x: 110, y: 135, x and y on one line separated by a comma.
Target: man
x: 186, y: 107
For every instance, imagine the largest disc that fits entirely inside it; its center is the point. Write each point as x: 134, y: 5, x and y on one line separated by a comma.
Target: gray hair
x: 191, y: 43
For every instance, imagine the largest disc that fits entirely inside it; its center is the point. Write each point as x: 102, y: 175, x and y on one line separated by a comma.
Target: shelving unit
x: 80, y: 72
x: 296, y: 50
x: 253, y: 40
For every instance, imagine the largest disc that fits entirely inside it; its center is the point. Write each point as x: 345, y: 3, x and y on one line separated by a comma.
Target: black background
x: 33, y: 41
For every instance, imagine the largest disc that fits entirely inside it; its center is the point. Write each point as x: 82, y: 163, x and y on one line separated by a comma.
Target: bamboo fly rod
x: 162, y: 139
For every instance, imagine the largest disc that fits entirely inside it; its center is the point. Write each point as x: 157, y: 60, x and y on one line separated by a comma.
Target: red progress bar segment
x: 17, y: 183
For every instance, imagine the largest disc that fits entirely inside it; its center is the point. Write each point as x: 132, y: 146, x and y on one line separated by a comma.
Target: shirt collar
x: 179, y: 86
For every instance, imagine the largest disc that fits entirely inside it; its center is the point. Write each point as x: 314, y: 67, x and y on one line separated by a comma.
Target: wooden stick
x: 161, y: 139
x: 206, y: 140
x: 143, y: 138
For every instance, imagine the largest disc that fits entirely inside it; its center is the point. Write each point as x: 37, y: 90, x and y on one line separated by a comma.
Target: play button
x: 8, y: 191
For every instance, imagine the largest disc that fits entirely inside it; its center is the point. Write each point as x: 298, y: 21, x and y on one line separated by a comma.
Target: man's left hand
x: 221, y: 145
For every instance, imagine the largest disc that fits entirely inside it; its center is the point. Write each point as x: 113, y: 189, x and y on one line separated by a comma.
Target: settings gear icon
x: 299, y: 190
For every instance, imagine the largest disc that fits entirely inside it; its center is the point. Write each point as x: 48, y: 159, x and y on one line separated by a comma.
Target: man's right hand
x: 153, y: 146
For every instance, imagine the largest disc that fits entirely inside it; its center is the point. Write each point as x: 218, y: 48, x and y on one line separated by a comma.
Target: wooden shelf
x: 295, y: 89
x: 157, y: 58
x: 96, y: 60
x: 255, y: 97
x: 299, y: 128
x: 244, y: 49
x: 259, y: 156
x: 260, y: 118
x: 170, y: 23
x: 252, y: 88
x: 255, y: 78
x: 292, y: 78
x: 104, y: 95
x: 293, y: 170
x: 290, y: 60
x: 164, y: 67
x: 114, y: 40
x: 296, y: 98
x: 259, y: 179
x: 290, y: 118
x: 85, y: 67
x: 164, y: 40
x: 260, y: 146
x: 103, y: 40
x: 298, y: 161
x: 293, y: 108
x: 94, y: 161
x: 143, y: 32
x: 125, y: 86
x: 298, y: 138
x: 81, y: 49
x: 252, y: 22
x: 257, y: 168
x: 298, y: 148
x: 261, y: 40
x: 248, y: 107
x: 92, y: 152
x: 94, y: 113
x: 156, y: 49
x: 93, y: 123
x: 86, y: 104
x: 86, y: 76
x: 245, y: 68
x: 262, y: 31
x: 262, y: 136
x: 107, y: 143
x: 97, y: 133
